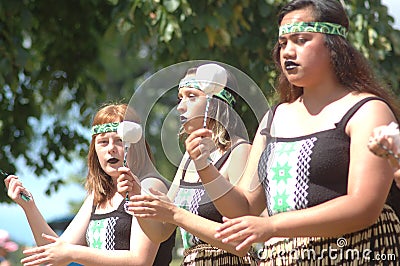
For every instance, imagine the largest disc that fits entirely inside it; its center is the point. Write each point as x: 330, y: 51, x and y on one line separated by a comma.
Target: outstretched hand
x: 156, y: 206
x: 385, y: 142
x: 244, y: 230
x: 55, y: 253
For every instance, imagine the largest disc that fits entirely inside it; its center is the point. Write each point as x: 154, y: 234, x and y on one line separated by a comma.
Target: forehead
x: 301, y: 15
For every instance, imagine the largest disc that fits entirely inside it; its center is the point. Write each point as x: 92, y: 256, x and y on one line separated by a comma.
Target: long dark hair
x: 351, y: 68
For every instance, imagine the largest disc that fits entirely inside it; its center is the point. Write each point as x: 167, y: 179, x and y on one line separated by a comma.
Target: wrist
x: 272, y: 225
x: 177, y: 216
x: 202, y: 166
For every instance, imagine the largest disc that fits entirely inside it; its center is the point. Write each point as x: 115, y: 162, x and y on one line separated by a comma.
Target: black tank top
x: 112, y: 231
x: 194, y: 198
x: 305, y: 171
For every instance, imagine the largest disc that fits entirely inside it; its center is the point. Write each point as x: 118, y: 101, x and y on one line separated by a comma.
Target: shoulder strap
x: 225, y: 156
x: 121, y: 206
x: 221, y: 161
x: 345, y: 119
x: 271, y: 114
x: 185, y: 167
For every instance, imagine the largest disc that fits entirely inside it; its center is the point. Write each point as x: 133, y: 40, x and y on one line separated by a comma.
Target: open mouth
x: 183, y: 119
x: 290, y: 65
x: 112, y: 161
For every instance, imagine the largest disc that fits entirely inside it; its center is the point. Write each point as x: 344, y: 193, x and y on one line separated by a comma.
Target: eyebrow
x: 287, y: 36
x: 188, y: 91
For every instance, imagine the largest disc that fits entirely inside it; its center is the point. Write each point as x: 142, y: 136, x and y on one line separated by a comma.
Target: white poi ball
x: 212, y: 78
x: 129, y: 131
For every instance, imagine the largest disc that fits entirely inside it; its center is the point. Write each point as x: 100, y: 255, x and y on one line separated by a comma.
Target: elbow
x: 242, y: 253
x: 370, y: 218
x: 239, y: 253
x: 367, y: 218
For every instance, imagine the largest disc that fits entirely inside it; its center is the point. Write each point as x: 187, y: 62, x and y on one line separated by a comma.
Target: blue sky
x: 12, y: 217
x: 394, y: 11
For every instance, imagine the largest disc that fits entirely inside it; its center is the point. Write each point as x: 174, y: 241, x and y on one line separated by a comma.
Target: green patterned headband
x: 223, y: 94
x: 104, y: 128
x: 321, y: 27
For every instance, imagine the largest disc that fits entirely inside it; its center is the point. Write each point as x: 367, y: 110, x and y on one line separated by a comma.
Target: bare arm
x: 369, y: 182
x: 155, y: 230
x: 35, y: 219
x: 380, y: 140
x: 248, y: 195
x: 59, y: 252
x: 158, y: 207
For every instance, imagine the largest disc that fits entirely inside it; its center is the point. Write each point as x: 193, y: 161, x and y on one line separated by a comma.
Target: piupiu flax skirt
x: 378, y: 244
x: 207, y: 255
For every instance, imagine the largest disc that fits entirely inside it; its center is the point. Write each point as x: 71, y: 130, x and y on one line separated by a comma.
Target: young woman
x: 324, y: 192
x: 101, y: 233
x: 188, y: 205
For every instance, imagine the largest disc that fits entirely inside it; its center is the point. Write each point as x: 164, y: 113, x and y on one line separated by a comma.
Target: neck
x: 316, y: 101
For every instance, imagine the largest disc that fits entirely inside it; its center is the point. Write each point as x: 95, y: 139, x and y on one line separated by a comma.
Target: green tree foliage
x: 60, y: 59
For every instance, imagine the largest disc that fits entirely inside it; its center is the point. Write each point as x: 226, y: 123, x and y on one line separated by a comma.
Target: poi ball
x: 212, y: 78
x: 129, y: 131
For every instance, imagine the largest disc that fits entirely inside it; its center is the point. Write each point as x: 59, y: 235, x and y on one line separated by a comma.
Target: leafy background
x: 60, y: 60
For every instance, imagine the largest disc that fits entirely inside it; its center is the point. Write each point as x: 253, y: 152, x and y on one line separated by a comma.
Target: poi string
x: 126, y: 147
x: 212, y: 78
x: 24, y: 196
x: 206, y: 111
x: 130, y: 132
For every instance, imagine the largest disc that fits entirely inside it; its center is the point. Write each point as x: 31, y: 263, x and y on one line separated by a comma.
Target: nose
x: 288, y: 51
x: 112, y: 147
x: 182, y: 106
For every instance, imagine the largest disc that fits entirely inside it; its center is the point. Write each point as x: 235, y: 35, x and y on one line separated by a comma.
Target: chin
x: 113, y: 170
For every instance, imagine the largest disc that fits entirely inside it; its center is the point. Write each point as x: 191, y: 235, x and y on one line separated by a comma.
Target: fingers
x: 376, y: 146
x: 194, y: 140
x: 199, y: 133
x: 35, y: 256
x: 192, y: 147
x: 50, y: 238
x: 143, y: 208
x: 141, y: 202
x: 227, y: 228
x: 147, y: 206
x: 34, y: 250
x: 125, y: 180
x: 35, y: 260
x: 15, y: 188
x: 9, y: 179
x: 156, y: 192
x: 246, y: 243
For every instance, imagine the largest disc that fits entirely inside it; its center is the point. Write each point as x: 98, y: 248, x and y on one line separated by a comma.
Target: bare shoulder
x: 371, y: 114
x: 373, y: 109
x: 241, y: 146
x: 156, y: 183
